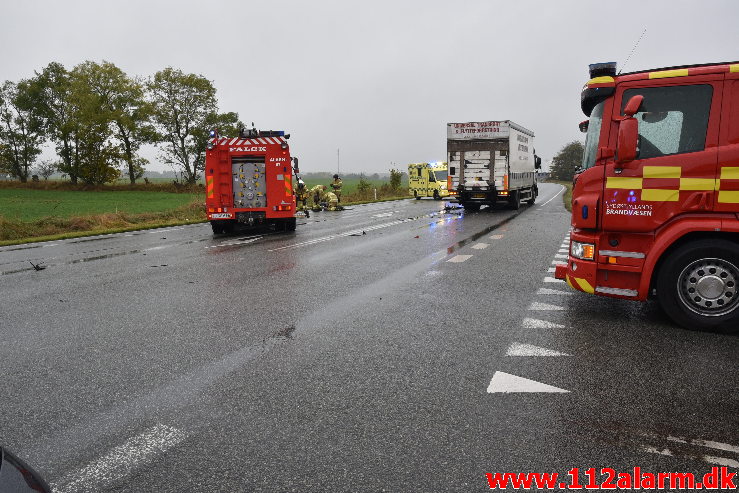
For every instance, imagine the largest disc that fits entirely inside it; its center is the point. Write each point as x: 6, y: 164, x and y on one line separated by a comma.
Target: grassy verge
x: 14, y: 231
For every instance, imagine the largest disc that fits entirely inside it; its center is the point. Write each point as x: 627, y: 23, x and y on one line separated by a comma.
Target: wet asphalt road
x: 354, y: 355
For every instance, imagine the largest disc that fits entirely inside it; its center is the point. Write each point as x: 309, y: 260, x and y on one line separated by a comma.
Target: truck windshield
x: 591, y: 139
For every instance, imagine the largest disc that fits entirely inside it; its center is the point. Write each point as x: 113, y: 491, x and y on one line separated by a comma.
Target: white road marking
x: 520, y: 349
x: 536, y: 306
x: 535, y: 323
x: 480, y: 246
x: 555, y: 196
x: 242, y: 241
x: 554, y: 291
x: 655, y: 450
x: 558, y: 262
x: 340, y: 235
x: 507, y: 383
x: 551, y: 279
x: 559, y: 255
x: 121, y: 460
x: 459, y: 258
x: 384, y: 214
x: 551, y: 269
x: 563, y: 250
x: 707, y: 443
x: 496, y: 237
x: 721, y: 461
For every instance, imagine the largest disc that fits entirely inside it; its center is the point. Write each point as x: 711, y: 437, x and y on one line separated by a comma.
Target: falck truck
x: 249, y: 180
x: 655, y: 207
x: 491, y: 162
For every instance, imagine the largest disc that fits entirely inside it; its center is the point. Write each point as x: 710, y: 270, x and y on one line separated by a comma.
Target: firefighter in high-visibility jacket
x: 333, y: 202
x: 336, y: 187
x: 318, y: 193
x: 301, y: 198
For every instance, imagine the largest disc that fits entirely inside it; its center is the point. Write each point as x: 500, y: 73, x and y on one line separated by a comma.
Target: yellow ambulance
x: 428, y: 180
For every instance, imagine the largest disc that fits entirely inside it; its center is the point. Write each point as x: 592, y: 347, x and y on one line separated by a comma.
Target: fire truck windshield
x: 591, y: 139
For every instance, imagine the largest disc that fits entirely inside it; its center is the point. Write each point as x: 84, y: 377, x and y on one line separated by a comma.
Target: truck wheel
x: 217, y: 227
x: 471, y: 207
x: 514, y: 200
x: 290, y: 224
x: 534, y: 193
x: 229, y: 226
x: 415, y: 194
x: 436, y: 195
x: 697, y: 286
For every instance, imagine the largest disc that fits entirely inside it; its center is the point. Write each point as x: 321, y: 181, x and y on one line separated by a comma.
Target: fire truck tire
x: 217, y: 227
x: 514, y: 201
x: 436, y: 195
x: 472, y: 207
x: 290, y: 224
x: 698, y: 285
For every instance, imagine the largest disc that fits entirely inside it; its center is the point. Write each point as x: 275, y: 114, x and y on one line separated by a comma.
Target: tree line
x: 97, y: 118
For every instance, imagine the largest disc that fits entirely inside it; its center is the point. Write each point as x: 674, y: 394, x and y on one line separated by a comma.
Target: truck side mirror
x: 628, y: 131
x: 628, y: 134
x: 537, y: 162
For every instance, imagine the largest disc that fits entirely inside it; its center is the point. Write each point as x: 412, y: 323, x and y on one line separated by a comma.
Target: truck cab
x: 655, y: 208
x: 428, y: 180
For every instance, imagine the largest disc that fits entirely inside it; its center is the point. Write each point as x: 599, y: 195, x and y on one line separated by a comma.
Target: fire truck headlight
x: 284, y: 145
x: 583, y: 251
x: 210, y: 146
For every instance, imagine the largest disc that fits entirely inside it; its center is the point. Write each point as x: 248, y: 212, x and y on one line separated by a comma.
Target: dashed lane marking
x: 506, y: 383
x: 558, y: 262
x: 553, y: 292
x: 121, y: 461
x: 480, y: 246
x: 496, y: 237
x: 552, y: 279
x: 521, y: 349
x: 537, y: 306
x: 559, y: 255
x: 706, y: 443
x: 240, y: 241
x: 459, y: 258
x: 535, y: 323
x: 551, y: 269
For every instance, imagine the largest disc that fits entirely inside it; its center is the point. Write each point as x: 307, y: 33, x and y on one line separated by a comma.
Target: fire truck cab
x: 248, y: 180
x: 655, y: 205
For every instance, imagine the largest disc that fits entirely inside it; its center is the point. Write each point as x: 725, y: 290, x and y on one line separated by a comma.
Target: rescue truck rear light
x: 582, y: 251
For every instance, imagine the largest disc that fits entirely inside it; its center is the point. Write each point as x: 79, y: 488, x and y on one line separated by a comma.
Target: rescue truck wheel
x: 697, y: 286
x: 415, y: 194
x: 436, y: 195
x: 514, y: 200
x: 471, y: 207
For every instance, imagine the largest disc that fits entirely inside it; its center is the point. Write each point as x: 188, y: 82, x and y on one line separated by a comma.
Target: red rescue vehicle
x: 248, y: 180
x: 655, y: 206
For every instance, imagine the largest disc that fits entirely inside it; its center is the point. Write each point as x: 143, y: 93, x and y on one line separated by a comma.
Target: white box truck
x: 491, y: 162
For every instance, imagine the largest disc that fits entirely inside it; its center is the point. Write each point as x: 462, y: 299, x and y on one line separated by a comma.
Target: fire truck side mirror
x: 628, y: 135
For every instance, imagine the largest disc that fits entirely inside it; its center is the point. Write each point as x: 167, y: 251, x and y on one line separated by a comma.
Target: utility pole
x: 338, y: 161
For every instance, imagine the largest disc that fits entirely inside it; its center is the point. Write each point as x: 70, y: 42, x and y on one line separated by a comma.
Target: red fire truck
x: 248, y: 180
x: 655, y: 206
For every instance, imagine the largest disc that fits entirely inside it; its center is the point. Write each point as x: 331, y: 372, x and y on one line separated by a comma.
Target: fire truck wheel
x: 436, y: 195
x: 514, y: 200
x: 217, y: 227
x: 697, y: 285
x: 290, y: 224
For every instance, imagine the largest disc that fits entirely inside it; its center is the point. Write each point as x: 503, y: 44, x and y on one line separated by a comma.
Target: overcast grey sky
x: 378, y: 79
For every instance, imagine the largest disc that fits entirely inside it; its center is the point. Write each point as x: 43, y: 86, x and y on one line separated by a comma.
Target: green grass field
x: 29, y: 205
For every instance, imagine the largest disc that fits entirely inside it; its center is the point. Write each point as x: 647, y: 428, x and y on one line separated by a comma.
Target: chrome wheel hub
x: 709, y: 287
